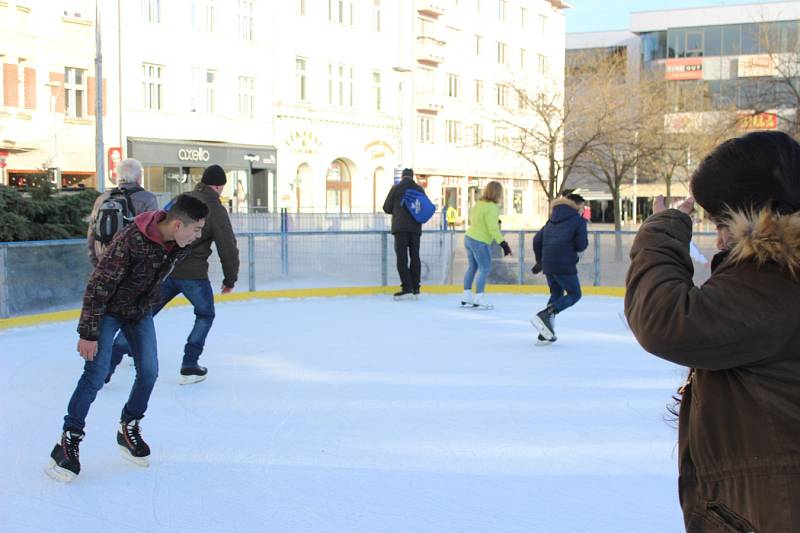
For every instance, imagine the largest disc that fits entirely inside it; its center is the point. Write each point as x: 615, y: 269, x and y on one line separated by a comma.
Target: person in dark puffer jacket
x: 120, y: 295
x: 556, y: 247
x: 407, y: 234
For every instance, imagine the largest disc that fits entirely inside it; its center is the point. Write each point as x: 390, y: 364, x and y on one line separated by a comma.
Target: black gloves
x: 506, y: 248
x: 536, y: 268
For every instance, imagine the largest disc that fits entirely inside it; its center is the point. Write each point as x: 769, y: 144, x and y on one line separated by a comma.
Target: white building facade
x: 310, y: 105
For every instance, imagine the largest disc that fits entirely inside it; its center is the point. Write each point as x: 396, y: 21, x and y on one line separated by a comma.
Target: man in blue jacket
x: 556, y: 247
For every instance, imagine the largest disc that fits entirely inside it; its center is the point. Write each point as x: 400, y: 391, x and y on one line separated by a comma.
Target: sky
x: 594, y: 15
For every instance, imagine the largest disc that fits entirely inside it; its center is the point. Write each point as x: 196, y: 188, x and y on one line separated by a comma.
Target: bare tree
x: 552, y: 128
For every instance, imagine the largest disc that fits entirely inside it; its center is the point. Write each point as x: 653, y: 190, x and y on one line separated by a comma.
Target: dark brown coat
x: 739, y: 425
x: 218, y: 231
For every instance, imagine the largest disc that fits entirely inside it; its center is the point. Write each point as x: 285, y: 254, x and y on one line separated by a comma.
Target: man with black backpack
x: 409, y: 207
x: 116, y: 208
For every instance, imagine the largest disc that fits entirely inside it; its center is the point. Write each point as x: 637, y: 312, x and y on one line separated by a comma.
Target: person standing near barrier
x: 557, y: 247
x: 451, y: 214
x: 120, y: 295
x: 407, y: 234
x: 128, y: 191
x: 190, y: 278
x: 739, y: 408
x: 484, y: 229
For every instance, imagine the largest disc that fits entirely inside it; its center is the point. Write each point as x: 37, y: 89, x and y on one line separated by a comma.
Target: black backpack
x: 115, y: 213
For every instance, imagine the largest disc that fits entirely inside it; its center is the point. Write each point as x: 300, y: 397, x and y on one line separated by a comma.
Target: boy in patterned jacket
x: 120, y: 295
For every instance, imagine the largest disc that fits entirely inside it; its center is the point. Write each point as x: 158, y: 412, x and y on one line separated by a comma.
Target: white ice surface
x: 356, y: 415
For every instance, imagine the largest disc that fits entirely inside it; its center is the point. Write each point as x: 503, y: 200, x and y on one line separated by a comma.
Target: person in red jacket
x: 120, y: 295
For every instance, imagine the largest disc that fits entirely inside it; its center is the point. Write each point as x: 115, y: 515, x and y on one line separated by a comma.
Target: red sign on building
x: 114, y: 157
x: 689, y: 68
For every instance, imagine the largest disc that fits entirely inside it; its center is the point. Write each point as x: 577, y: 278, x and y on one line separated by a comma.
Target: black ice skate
x: 64, y: 463
x: 131, y: 444
x: 404, y: 295
x: 193, y: 374
x: 543, y: 321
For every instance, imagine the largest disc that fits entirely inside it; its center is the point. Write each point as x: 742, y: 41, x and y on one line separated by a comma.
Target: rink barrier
x: 332, y: 292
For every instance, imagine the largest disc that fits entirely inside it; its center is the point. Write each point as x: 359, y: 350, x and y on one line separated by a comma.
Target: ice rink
x: 357, y: 415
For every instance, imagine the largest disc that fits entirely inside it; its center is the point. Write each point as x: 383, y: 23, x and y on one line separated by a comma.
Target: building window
x: 523, y: 59
x: 478, y: 40
x: 523, y: 17
x: 301, y: 75
x: 542, y: 24
x: 74, y: 92
x: 477, y: 6
x: 517, y: 201
x: 376, y: 15
x: 502, y: 95
x: 502, y: 11
x: 340, y: 85
x: 152, y: 88
x: 211, y: 90
x: 246, y: 19
x: 501, y: 136
x: 502, y: 53
x: 196, y: 91
x: 151, y: 11
x: 543, y: 66
x: 425, y: 129
x: 477, y: 135
x: 337, y: 185
x: 427, y: 80
x: 340, y: 12
x: 247, y: 97
x: 301, y: 8
x: 453, y: 131
x: 425, y: 27
x: 478, y: 91
x: 454, y: 86
x: 377, y: 90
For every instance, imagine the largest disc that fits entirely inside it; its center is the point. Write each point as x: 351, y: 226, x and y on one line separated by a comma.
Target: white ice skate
x: 59, y: 474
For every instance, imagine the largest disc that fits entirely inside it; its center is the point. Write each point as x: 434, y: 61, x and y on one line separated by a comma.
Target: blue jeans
x: 565, y: 290
x: 201, y: 296
x: 479, y: 256
x: 142, y: 335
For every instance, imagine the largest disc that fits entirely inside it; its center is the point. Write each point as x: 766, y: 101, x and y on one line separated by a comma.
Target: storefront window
x: 337, y: 187
x: 517, y: 201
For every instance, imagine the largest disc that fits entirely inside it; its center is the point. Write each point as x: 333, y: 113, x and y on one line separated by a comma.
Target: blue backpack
x: 418, y: 205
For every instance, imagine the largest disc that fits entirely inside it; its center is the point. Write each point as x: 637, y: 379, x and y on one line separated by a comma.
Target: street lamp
x: 54, y: 157
x: 406, y: 107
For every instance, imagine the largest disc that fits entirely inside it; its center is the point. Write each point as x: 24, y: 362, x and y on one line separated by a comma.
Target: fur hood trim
x: 563, y: 201
x: 766, y: 237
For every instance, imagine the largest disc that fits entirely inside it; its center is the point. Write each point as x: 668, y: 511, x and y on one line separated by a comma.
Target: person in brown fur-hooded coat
x: 739, y: 410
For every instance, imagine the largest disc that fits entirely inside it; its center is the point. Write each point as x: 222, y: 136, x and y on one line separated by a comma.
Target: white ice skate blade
x: 405, y: 297
x: 188, y: 380
x: 476, y: 307
x: 138, y: 461
x: 544, y: 331
x: 59, y: 474
x: 545, y: 343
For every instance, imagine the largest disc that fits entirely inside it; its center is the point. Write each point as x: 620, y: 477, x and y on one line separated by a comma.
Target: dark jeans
x: 201, y: 296
x: 479, y: 259
x: 405, y: 243
x: 142, y: 335
x: 565, y: 290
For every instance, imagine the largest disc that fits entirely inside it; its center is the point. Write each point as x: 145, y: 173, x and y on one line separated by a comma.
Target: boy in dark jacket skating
x: 120, y: 295
x: 556, y: 247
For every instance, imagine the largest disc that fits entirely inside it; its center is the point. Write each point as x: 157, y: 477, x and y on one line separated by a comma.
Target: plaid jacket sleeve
x: 103, y: 283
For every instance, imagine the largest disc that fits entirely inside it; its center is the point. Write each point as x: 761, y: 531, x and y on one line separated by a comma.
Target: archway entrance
x: 338, y: 187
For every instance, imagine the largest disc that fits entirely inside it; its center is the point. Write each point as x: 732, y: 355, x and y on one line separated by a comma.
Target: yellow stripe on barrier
x: 74, y: 314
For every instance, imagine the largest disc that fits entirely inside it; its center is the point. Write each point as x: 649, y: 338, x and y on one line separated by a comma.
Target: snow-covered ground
x: 357, y: 415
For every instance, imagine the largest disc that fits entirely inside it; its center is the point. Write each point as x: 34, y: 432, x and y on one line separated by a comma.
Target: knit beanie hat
x: 755, y: 171
x: 214, y: 175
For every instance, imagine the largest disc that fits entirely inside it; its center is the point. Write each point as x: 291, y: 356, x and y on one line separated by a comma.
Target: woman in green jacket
x: 484, y: 229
